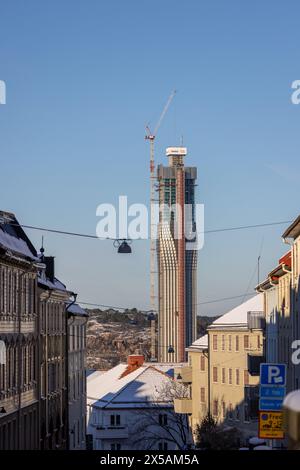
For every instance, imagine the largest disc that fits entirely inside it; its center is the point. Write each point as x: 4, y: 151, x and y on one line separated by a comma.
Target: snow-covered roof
x: 139, y: 388
x: 55, y: 285
x: 75, y: 309
x: 200, y: 344
x: 13, y: 237
x: 239, y: 315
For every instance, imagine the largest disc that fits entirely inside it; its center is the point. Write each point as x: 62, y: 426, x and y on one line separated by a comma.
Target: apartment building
x: 19, y: 374
x: 291, y: 236
x: 278, y: 313
x: 223, y: 369
x: 77, y: 320
x: 53, y: 296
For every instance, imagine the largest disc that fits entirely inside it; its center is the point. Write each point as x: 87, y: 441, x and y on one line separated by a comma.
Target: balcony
x: 256, y: 320
x: 183, y: 406
x: 254, y: 362
x: 183, y: 374
x: 112, y: 432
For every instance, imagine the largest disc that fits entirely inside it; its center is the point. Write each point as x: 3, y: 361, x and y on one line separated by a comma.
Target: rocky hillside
x: 113, y: 335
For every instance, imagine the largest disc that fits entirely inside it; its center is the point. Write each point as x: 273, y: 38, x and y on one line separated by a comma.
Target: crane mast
x: 151, y: 137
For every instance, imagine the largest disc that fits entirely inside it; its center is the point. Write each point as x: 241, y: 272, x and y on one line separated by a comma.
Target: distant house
x: 130, y: 407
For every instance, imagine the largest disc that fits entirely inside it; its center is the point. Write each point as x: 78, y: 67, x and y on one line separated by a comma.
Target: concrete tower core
x: 177, y: 267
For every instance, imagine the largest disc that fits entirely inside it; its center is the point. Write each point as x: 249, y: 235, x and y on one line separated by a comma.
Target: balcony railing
x: 256, y: 320
x: 112, y: 432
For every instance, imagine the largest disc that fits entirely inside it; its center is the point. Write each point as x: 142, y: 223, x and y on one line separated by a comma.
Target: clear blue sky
x: 83, y: 78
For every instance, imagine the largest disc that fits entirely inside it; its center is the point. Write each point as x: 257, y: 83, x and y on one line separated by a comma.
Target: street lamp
x: 123, y: 246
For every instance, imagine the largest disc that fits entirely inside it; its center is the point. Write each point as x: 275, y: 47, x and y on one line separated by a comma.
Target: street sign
x: 269, y: 391
x: 267, y: 404
x: 270, y: 425
x: 273, y: 374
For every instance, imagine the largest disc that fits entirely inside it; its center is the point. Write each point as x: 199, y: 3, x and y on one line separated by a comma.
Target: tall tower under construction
x: 177, y: 261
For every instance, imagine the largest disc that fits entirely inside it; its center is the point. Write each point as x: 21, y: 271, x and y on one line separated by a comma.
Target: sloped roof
x: 75, y: 309
x: 200, y: 344
x: 239, y: 315
x: 140, y: 388
x: 14, y: 239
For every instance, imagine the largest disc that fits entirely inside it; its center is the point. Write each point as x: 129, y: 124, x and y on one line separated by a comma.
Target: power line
x: 86, y: 235
x: 92, y: 304
x: 225, y: 298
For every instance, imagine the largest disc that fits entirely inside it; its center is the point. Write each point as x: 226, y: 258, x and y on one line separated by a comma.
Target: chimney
x: 49, y: 262
x: 134, y: 361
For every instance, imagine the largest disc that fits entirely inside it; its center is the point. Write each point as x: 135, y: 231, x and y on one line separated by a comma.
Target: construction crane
x: 150, y: 136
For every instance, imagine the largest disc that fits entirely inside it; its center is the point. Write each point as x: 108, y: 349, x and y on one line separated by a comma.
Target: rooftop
x: 117, y: 388
x: 238, y: 317
x: 200, y: 344
x: 293, y: 231
x: 14, y: 239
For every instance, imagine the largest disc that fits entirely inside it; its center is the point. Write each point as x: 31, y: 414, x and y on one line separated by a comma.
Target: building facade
x: 177, y: 265
x: 223, y: 370
x: 19, y: 375
x: 278, y: 313
x: 53, y: 358
x: 292, y: 237
x: 77, y: 320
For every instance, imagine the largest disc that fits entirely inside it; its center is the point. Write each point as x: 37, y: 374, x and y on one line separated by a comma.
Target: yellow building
x: 223, y: 370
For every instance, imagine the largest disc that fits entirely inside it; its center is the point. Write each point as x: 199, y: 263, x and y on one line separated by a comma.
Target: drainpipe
x: 67, y: 366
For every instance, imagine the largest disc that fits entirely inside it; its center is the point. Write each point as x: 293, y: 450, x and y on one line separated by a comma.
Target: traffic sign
x: 269, y: 391
x: 267, y: 404
x: 270, y: 425
x: 273, y: 374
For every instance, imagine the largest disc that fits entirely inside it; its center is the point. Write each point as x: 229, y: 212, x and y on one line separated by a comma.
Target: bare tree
x: 158, y: 422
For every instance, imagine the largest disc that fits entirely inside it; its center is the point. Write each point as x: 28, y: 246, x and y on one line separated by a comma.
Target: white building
x: 130, y: 407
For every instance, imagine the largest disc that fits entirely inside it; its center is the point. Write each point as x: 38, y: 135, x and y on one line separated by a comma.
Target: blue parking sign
x: 273, y: 374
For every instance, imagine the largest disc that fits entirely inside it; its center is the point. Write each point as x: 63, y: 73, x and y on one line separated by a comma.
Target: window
x: 163, y: 419
x: 246, y: 342
x: 215, y: 374
x: 258, y: 342
x: 223, y: 409
x: 230, y: 412
x: 115, y: 420
x: 230, y: 376
x: 202, y: 363
x: 229, y: 343
x: 223, y: 375
x: 237, y: 343
x: 237, y: 377
x: 223, y: 342
x: 215, y: 407
x: 246, y: 377
x: 215, y: 342
x: 202, y: 395
x: 115, y: 446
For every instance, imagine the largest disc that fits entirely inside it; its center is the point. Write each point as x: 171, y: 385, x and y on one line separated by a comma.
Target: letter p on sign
x: 272, y: 374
